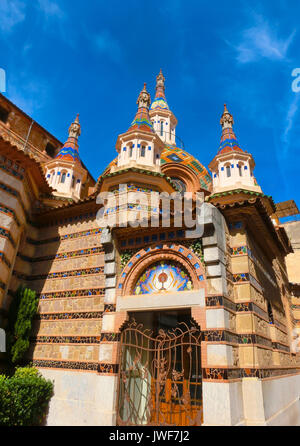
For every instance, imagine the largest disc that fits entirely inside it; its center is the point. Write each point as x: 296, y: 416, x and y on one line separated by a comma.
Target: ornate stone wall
x: 64, y: 264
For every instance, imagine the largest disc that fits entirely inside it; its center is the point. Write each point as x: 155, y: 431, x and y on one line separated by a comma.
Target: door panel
x: 160, y: 380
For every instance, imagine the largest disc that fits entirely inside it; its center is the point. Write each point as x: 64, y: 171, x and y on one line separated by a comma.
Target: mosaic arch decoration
x: 163, y: 277
x: 167, y: 253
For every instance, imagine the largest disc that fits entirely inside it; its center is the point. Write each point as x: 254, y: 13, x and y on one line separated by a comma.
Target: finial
x: 160, y: 80
x: 226, y: 119
x: 144, y: 99
x: 75, y: 128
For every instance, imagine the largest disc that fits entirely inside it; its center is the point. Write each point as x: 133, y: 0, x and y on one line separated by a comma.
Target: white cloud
x: 12, y: 12
x: 260, y: 41
x: 289, y: 123
x: 50, y: 9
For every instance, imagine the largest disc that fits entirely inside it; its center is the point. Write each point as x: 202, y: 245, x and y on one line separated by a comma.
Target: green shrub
x: 21, y: 312
x: 24, y: 398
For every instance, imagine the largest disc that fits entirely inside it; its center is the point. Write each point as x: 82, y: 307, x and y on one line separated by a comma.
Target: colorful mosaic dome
x: 68, y: 154
x: 173, y: 154
x: 160, y: 104
x: 142, y: 118
x: 229, y: 142
x: 142, y: 121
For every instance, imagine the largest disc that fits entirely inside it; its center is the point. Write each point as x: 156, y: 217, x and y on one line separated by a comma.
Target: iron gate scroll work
x: 160, y: 381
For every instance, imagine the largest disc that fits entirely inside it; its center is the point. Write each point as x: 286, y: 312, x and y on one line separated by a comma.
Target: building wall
x: 293, y: 259
x: 64, y: 264
x: 14, y: 211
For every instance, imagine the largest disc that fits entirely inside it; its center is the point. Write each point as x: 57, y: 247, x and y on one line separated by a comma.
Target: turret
x: 232, y: 168
x: 65, y: 172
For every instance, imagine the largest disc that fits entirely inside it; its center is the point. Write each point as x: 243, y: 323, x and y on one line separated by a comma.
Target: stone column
x: 108, y: 378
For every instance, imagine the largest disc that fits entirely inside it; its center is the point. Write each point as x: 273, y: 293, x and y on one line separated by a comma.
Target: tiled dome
x: 159, y: 103
x: 68, y: 154
x: 173, y: 154
x: 229, y: 142
x: 69, y: 151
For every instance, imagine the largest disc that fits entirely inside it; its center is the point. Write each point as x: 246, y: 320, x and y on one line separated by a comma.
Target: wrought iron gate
x: 160, y: 380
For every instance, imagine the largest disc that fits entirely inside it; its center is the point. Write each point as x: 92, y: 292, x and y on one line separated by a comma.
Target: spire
x: 229, y: 141
x: 75, y: 129
x: 142, y: 119
x: 160, y: 101
x: 69, y: 151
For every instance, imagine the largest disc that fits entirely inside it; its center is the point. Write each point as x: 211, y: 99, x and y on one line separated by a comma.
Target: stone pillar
x: 108, y: 378
x: 214, y: 250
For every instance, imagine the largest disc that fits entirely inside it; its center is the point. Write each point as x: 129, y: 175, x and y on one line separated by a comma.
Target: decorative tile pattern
x: 162, y: 277
x: 65, y: 237
x: 74, y: 315
x: 68, y: 154
x: 9, y: 211
x: 15, y: 194
x: 11, y: 171
x: 229, y: 141
x: 5, y: 233
x: 61, y: 274
x: 66, y: 339
x: 73, y: 293
x: 111, y: 369
x: 93, y: 366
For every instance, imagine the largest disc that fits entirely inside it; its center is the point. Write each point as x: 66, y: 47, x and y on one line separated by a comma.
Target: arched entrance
x: 160, y: 381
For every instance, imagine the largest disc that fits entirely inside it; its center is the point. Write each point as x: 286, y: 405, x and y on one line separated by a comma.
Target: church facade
x: 150, y: 313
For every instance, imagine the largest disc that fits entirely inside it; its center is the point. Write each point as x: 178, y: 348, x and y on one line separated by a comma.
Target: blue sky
x: 66, y: 57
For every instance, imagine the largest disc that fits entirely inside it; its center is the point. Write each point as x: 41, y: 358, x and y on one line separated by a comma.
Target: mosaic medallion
x: 163, y: 277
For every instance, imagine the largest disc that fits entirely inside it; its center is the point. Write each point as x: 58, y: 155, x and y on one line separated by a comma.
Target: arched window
x: 270, y: 314
x: 73, y: 181
x: 161, y: 128
x: 143, y: 151
x: 240, y: 170
x: 228, y: 171
x: 130, y: 151
x: 63, y: 177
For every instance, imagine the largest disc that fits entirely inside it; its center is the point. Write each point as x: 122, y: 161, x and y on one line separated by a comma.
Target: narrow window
x: 3, y: 114
x: 143, y: 151
x: 161, y: 128
x: 240, y: 170
x: 270, y: 313
x: 73, y: 181
x: 130, y: 152
x: 63, y: 177
x: 228, y: 171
